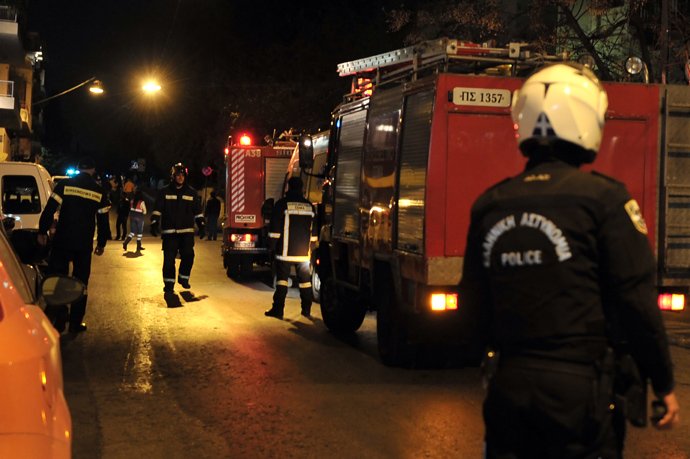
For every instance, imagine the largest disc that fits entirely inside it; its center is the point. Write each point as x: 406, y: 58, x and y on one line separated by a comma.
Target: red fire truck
x: 255, y: 174
x: 424, y: 132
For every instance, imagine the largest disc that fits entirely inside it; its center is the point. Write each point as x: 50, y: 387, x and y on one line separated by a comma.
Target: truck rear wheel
x: 233, y: 265
x: 392, y: 331
x: 339, y: 308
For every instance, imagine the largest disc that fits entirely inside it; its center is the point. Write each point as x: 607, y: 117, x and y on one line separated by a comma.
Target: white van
x: 24, y: 192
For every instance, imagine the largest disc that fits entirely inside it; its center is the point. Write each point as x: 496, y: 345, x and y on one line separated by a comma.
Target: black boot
x: 183, y: 282
x: 169, y: 287
x: 274, y: 312
x: 139, y: 247
x: 124, y: 244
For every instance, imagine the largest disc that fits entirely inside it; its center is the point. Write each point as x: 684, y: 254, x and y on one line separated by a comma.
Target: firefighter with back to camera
x: 291, y: 232
x: 560, y: 276
x: 82, y: 203
x: 175, y: 211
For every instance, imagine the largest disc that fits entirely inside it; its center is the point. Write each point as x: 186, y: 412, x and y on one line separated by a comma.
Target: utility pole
x: 664, y: 40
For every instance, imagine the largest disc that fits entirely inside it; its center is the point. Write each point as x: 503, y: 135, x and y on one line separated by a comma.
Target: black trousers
x: 58, y: 263
x: 172, y: 245
x: 303, y: 277
x: 121, y: 224
x: 549, y: 413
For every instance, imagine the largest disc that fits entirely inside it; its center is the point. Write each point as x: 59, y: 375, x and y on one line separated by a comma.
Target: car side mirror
x: 8, y: 223
x: 60, y: 290
x: 306, y: 152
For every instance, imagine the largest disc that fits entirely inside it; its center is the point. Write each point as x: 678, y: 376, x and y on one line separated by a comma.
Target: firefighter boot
x: 124, y: 244
x: 275, y: 311
x: 183, y: 281
x: 139, y: 247
x: 169, y: 287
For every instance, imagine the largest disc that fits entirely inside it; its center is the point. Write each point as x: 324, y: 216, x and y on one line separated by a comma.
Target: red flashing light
x: 245, y: 140
x: 671, y: 302
x: 227, y: 150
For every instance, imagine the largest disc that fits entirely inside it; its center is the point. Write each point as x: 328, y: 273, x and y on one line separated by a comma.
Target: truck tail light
x: 444, y: 301
x: 671, y: 302
x: 243, y: 237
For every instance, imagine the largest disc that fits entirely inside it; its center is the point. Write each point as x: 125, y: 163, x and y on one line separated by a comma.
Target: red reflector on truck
x: 671, y: 302
x: 444, y: 301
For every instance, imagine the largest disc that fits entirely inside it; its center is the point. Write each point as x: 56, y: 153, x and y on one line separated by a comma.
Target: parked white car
x: 24, y: 192
x: 34, y: 418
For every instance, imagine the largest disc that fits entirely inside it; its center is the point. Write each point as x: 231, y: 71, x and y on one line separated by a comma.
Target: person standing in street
x: 560, y: 276
x: 136, y: 220
x: 212, y: 215
x: 122, y: 215
x: 82, y: 203
x: 175, y: 211
x: 291, y: 233
x: 129, y: 188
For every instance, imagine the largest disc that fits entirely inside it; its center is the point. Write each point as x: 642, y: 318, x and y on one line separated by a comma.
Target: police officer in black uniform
x: 82, y: 203
x: 558, y: 268
x: 175, y: 211
x: 291, y: 231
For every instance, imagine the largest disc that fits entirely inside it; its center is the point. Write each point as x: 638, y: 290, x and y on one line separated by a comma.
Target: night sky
x: 191, y: 45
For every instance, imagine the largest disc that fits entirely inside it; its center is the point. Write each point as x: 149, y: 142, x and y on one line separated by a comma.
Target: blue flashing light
x: 72, y: 172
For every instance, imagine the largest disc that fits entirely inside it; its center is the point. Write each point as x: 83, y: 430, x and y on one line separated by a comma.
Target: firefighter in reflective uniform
x: 291, y: 232
x: 82, y: 203
x: 557, y: 269
x: 175, y: 211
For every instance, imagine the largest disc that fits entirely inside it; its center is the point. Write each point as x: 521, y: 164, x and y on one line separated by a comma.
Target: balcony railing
x: 8, y: 13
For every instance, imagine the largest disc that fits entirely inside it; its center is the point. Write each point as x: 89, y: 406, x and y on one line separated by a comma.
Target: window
x: 20, y: 195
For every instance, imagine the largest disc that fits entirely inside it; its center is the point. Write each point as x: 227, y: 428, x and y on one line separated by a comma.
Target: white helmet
x: 560, y: 102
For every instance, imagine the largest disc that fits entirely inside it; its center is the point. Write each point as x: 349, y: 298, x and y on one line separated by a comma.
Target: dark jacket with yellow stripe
x: 177, y: 209
x: 82, y: 202
x: 292, y: 227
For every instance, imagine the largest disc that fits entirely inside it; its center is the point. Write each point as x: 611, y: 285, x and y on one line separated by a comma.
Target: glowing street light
x: 151, y: 87
x: 95, y: 88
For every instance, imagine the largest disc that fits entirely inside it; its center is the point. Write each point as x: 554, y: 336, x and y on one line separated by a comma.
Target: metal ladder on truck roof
x: 387, y: 66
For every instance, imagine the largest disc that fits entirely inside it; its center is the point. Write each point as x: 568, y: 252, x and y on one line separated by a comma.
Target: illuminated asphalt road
x: 214, y: 378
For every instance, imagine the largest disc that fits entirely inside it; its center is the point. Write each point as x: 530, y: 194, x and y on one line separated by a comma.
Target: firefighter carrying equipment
x: 79, y: 199
x: 292, y: 228
x: 176, y: 210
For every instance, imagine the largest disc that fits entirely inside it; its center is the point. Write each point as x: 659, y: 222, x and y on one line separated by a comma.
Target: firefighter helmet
x: 561, y: 102
x: 176, y: 169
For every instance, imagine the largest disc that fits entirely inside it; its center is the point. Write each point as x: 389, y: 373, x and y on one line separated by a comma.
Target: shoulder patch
x: 635, y: 214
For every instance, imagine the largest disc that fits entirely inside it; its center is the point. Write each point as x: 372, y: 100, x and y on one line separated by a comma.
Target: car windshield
x: 14, y: 269
x: 20, y: 195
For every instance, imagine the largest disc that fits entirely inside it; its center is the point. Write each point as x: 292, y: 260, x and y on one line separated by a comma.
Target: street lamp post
x: 95, y: 88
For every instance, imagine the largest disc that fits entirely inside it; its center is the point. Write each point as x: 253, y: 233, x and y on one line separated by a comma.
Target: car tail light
x: 444, y: 301
x: 672, y: 302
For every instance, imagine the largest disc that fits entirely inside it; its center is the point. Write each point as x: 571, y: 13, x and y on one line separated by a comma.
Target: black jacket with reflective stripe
x: 82, y: 202
x: 292, y: 227
x: 177, y: 209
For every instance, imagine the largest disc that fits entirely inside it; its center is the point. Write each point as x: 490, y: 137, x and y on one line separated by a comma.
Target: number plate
x: 481, y: 97
x: 244, y: 244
